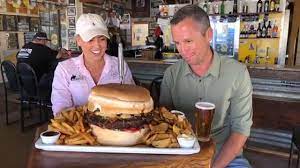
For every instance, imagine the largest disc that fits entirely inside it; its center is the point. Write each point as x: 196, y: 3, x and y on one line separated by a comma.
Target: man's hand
x: 63, y: 53
x: 230, y: 150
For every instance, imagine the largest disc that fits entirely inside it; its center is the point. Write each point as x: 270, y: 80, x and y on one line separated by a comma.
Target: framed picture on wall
x: 72, y: 43
x: 71, y: 33
x: 141, y: 8
x: 71, y: 21
x: 10, y: 23
x: 71, y: 11
x: 12, y: 41
x: 72, y: 2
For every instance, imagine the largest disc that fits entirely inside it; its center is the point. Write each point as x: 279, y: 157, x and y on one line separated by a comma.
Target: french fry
x: 162, y: 143
x: 59, y: 142
x: 79, y: 142
x: 174, y: 145
x: 60, y: 128
x: 81, y: 125
x: 161, y: 136
x: 68, y: 127
x: 74, y: 139
x: 78, y: 115
x: 151, y: 139
x: 88, y: 137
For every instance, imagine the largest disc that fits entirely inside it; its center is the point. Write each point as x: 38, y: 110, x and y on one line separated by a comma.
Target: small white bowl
x: 177, y: 112
x: 186, y: 141
x: 49, y: 137
x: 180, y: 115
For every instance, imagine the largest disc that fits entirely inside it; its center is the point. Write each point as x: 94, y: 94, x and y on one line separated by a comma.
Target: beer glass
x: 204, y: 115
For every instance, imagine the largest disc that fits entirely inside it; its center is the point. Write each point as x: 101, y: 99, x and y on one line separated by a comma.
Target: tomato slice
x: 131, y: 129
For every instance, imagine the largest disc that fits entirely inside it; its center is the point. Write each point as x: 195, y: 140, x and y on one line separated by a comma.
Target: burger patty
x: 118, y: 123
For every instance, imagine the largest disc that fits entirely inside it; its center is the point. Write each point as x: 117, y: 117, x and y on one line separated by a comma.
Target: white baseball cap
x: 90, y: 25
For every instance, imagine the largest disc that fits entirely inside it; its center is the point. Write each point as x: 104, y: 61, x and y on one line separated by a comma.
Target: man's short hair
x: 194, y: 12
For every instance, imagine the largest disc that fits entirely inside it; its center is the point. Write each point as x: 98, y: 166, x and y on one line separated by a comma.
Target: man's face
x: 192, y: 43
x: 95, y: 48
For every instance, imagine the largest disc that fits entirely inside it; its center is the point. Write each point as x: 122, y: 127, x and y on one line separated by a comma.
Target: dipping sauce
x: 50, y: 133
x: 49, y: 137
x: 186, y: 141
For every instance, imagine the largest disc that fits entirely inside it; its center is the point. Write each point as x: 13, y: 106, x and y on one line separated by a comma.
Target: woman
x: 75, y: 77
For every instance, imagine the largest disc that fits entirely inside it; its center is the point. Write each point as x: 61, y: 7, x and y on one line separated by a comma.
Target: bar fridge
x: 225, y: 35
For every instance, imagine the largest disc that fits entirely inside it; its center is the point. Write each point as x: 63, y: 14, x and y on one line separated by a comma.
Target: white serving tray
x: 116, y: 149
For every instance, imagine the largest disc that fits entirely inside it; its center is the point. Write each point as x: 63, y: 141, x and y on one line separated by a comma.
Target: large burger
x: 119, y: 114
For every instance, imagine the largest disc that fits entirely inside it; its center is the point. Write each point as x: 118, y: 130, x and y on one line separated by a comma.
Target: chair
x: 29, y: 91
x: 137, y: 81
x: 155, y: 89
x: 8, y: 70
x: 295, y: 143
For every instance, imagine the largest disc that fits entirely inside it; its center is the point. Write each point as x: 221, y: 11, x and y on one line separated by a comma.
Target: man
x: 39, y: 56
x: 42, y: 59
x: 204, y: 76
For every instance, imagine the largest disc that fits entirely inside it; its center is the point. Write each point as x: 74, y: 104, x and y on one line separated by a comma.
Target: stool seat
x: 295, y: 143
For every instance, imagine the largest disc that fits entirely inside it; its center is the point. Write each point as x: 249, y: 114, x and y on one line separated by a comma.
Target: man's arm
x: 230, y: 150
x: 240, y: 119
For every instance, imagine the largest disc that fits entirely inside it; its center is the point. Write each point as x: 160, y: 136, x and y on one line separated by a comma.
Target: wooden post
x: 294, y: 34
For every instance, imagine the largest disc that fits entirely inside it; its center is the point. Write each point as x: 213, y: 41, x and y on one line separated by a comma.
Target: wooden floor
x: 18, y: 144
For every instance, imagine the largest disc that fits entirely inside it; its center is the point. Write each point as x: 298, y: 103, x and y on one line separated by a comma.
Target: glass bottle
x: 275, y: 30
x: 259, y: 6
x: 235, y: 6
x: 277, y: 5
x: 205, y: 7
x: 266, y: 6
x: 258, y: 31
x: 264, y: 30
x: 272, y: 6
x: 269, y: 30
x: 222, y: 8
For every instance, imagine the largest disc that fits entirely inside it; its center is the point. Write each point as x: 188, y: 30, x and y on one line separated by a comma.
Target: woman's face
x: 93, y: 49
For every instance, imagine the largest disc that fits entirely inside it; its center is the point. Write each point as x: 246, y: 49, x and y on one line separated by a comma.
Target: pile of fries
x: 73, y: 131
x: 165, y: 128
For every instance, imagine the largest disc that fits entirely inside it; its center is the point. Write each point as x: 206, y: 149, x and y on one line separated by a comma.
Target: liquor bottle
x: 264, y: 30
x: 266, y: 6
x: 222, y: 8
x: 259, y: 6
x: 205, y: 6
x: 277, y: 5
x: 275, y: 30
x: 234, y: 6
x: 216, y: 8
x: 272, y: 6
x: 258, y: 31
x: 269, y: 30
x: 245, y: 7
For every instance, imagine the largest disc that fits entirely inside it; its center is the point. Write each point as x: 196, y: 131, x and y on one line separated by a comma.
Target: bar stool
x: 295, y: 142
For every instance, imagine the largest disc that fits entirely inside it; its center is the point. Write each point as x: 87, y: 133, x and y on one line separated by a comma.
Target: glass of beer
x: 204, y: 115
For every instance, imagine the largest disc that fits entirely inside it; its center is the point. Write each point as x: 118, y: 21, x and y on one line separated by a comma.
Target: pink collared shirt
x: 72, y: 82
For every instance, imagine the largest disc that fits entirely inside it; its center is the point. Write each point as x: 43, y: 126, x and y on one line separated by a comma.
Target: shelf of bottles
x: 260, y: 26
x: 239, y: 7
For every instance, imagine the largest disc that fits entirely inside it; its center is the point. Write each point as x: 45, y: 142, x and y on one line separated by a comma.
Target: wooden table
x: 50, y: 159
